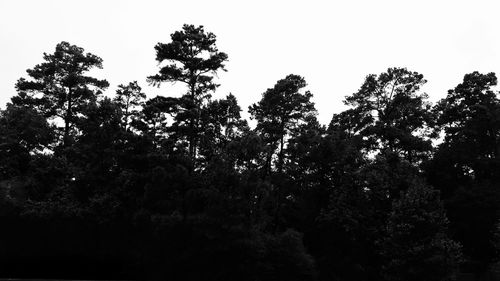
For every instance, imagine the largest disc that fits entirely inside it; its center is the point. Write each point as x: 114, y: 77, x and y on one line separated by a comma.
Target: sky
x: 332, y: 44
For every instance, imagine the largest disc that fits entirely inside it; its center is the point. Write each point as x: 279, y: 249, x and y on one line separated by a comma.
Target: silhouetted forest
x: 182, y: 188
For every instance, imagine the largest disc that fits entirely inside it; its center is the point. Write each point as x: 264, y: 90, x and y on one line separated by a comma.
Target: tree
x: 279, y: 113
x: 466, y: 102
x: 470, y: 119
x: 154, y: 118
x: 59, y: 87
x: 465, y: 165
x: 391, y: 113
x: 415, y: 245
x: 192, y: 58
x: 222, y: 123
x: 130, y: 98
x: 344, y: 233
x: 23, y: 132
x: 24, y: 127
x: 281, y: 109
x: 93, y: 158
x: 331, y: 206
x: 305, y: 148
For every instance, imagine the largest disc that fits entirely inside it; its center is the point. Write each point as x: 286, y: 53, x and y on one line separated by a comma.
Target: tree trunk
x: 67, y: 119
x: 280, y: 157
x: 192, y: 148
x: 126, y: 113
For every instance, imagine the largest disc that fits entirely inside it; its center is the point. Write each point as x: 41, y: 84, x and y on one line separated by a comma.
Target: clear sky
x: 333, y: 44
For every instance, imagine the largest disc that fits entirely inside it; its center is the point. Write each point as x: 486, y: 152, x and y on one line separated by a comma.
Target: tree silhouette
x: 415, y: 243
x: 192, y: 58
x: 281, y: 109
x: 465, y: 166
x: 59, y: 87
x: 392, y: 114
x: 130, y: 98
x: 24, y: 132
x: 183, y: 188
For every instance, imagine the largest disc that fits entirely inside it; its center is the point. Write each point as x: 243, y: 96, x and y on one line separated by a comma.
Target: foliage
x: 59, y: 88
x: 465, y: 166
x: 415, y: 243
x: 183, y: 188
x: 391, y: 113
x: 191, y: 57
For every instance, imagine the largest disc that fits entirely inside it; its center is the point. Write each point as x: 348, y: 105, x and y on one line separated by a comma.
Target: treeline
x: 182, y: 188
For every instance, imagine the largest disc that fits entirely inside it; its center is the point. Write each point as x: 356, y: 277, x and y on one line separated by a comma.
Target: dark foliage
x: 182, y: 188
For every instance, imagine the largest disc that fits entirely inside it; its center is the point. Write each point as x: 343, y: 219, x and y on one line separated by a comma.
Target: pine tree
x: 59, y: 88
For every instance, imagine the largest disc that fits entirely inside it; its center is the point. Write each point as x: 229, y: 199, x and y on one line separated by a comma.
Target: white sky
x: 333, y: 44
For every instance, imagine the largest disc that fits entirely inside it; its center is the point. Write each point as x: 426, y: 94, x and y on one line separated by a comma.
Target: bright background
x: 333, y: 44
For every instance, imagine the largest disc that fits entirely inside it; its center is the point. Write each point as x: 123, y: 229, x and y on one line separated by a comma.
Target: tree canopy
x: 139, y: 187
x: 59, y: 87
